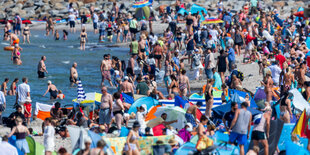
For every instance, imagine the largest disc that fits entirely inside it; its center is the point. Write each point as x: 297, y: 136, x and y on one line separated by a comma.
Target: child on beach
x: 60, y: 95
x: 28, y: 110
x: 65, y: 35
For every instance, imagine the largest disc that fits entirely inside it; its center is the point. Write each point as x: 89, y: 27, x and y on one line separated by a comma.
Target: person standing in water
x: 105, y: 68
x: 26, y: 34
x: 73, y: 74
x: 4, y: 86
x: 2, y: 105
x: 16, y: 55
x: 52, y: 89
x: 13, y: 87
x: 49, y: 26
x: 18, y: 24
x: 14, y: 38
x: 83, y: 39
x: 42, y: 68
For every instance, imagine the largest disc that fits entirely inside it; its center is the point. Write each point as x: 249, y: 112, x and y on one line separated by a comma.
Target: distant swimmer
x: 73, y: 74
x: 16, y: 55
x: 56, y: 35
x: 42, y: 68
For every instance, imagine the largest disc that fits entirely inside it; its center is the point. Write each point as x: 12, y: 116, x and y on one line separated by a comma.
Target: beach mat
x: 276, y: 127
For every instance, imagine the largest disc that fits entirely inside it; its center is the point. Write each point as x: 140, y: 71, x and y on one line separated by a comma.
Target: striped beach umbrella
x: 81, y: 94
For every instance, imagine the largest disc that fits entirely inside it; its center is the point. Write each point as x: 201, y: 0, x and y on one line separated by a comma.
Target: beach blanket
x: 145, y: 143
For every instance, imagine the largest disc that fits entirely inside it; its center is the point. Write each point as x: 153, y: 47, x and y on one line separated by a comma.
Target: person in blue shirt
x: 231, y: 57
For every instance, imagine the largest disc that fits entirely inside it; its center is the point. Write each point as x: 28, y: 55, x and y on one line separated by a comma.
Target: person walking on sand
x: 73, y: 74
x: 4, y: 86
x: 105, y: 107
x: 105, y: 68
x: 12, y: 90
x: 95, y: 22
x: 52, y: 89
x: 209, y: 97
x: 240, y: 127
x: 131, y: 146
x: 23, y: 91
x: 48, y: 135
x: 26, y: 34
x: 83, y: 39
x: 2, y: 105
x: 42, y: 68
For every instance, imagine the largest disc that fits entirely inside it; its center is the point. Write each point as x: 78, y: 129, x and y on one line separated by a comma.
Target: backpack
x: 196, y: 58
x: 240, y: 75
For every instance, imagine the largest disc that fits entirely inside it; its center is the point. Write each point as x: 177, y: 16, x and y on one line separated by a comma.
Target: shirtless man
x: 42, y: 68
x: 131, y: 66
x: 7, y: 28
x: 142, y: 47
x: 158, y: 53
x: 288, y: 78
x: 73, y: 74
x: 268, y: 87
x: 105, y: 69
x: 105, y: 107
x: 127, y: 87
x: 14, y: 38
x: 4, y: 86
x: 184, y: 84
x: 190, y: 115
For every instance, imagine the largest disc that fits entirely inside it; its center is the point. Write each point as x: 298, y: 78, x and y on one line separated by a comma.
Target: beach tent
x: 299, y: 14
x: 173, y: 113
x: 150, y: 115
x: 148, y: 101
x: 142, y: 13
x: 293, y: 148
x: 35, y: 148
x: 78, y: 135
x: 128, y: 99
x: 242, y: 95
x: 182, y: 11
x: 276, y: 127
x: 195, y: 8
x: 219, y: 111
x: 7, y: 148
x: 298, y: 101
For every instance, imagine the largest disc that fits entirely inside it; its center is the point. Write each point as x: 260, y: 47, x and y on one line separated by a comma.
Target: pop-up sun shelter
x: 195, y: 8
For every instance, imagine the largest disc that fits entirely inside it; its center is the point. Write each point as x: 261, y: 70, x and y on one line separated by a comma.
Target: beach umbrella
x: 90, y: 98
x: 212, y: 21
x: 173, y: 113
x: 81, y: 93
x: 141, y: 4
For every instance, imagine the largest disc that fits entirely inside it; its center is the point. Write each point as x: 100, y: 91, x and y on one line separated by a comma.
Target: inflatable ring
x: 8, y: 48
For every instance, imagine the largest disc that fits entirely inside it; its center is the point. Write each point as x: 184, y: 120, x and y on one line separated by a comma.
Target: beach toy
x: 8, y: 48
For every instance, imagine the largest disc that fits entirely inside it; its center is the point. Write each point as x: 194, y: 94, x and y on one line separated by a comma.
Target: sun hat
x: 28, y: 99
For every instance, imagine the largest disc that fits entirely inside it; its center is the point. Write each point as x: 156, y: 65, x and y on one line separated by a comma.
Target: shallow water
x: 60, y: 56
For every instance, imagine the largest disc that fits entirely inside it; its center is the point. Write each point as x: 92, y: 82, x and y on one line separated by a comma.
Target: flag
x: 299, y: 128
x: 81, y: 94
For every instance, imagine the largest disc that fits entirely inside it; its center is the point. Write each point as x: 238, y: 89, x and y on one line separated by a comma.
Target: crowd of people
x: 277, y: 46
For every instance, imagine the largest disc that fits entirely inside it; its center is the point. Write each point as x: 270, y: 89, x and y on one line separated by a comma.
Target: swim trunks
x: 106, y: 75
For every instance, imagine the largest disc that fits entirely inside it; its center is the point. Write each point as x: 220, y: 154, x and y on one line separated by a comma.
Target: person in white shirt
x: 23, y: 91
x: 275, y: 72
x: 2, y: 105
x: 7, y: 148
x: 49, y: 134
x: 95, y: 22
x: 71, y: 20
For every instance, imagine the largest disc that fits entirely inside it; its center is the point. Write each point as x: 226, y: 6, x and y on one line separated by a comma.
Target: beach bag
x: 203, y: 143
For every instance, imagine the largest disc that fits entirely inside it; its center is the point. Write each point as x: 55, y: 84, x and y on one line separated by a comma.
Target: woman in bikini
x: 184, y: 84
x: 131, y: 145
x: 16, y: 55
x: 174, y: 86
x: 288, y: 78
x: 26, y: 33
x: 285, y: 108
x: 209, y: 97
x: 12, y: 90
x: 49, y: 26
x: 83, y: 39
x: 268, y: 84
x: 126, y: 35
